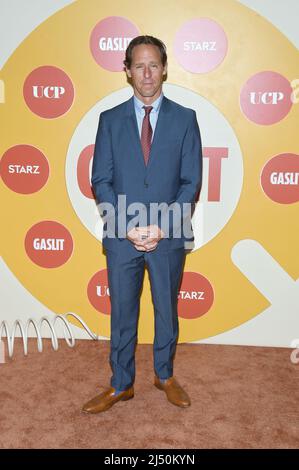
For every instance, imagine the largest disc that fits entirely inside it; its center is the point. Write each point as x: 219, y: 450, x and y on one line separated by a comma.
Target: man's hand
x: 145, y: 238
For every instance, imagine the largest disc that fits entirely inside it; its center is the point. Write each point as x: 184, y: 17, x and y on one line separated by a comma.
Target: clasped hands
x: 145, y: 238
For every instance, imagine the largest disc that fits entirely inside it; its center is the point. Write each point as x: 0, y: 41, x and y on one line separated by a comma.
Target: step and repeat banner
x: 239, y: 73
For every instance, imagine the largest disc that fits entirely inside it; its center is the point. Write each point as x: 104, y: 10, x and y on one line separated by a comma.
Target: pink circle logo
x: 48, y: 92
x: 196, y: 296
x: 24, y: 169
x: 280, y: 178
x: 266, y: 98
x: 49, y: 244
x: 200, y: 45
x: 98, y: 292
x: 109, y: 40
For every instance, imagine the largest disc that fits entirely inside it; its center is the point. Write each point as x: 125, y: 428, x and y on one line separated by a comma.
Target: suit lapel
x: 132, y: 126
x: 163, y: 123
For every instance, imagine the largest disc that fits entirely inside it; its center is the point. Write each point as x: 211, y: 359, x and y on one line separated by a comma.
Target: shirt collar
x: 156, y: 104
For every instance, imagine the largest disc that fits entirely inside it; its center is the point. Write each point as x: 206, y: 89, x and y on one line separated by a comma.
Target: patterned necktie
x: 146, y: 133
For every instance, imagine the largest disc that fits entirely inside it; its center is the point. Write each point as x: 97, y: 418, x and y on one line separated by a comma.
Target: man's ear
x: 165, y: 69
x: 128, y: 72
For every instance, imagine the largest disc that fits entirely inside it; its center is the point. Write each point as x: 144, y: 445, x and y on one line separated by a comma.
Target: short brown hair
x: 145, y: 40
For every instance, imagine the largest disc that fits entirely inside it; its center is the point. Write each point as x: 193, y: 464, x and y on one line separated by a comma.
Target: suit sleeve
x: 190, y: 177
x: 102, y: 178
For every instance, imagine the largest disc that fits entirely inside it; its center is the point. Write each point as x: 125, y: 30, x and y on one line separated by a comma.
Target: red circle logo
x: 196, y: 296
x: 49, y: 244
x: 24, y: 169
x: 266, y: 98
x: 83, y: 171
x: 200, y: 45
x: 48, y: 92
x: 280, y: 178
x: 109, y: 40
x: 98, y: 292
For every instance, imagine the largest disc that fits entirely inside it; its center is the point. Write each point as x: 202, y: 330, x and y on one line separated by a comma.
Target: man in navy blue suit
x: 147, y: 161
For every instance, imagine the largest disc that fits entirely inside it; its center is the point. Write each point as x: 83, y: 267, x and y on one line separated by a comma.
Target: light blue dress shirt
x: 139, y: 111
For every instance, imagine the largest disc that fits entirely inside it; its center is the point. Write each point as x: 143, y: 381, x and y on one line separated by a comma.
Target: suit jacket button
x: 146, y: 185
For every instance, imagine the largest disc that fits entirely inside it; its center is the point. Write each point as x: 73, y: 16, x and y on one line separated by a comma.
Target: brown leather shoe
x: 106, y: 399
x: 175, y: 394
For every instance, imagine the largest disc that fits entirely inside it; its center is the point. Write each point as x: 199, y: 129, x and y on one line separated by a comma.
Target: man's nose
x: 147, y: 71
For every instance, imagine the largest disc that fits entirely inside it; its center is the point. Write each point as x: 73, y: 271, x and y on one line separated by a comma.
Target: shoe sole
x: 127, y: 398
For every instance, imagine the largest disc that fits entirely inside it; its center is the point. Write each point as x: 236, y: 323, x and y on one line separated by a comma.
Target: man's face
x: 147, y: 72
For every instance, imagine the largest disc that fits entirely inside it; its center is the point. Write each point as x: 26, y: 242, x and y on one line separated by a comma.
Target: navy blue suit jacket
x: 173, y: 173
